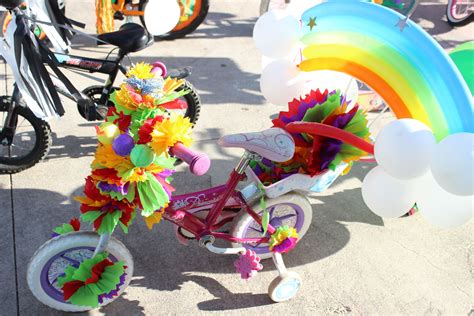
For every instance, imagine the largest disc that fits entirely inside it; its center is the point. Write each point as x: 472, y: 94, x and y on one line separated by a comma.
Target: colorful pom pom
x: 123, y: 145
x: 283, y: 239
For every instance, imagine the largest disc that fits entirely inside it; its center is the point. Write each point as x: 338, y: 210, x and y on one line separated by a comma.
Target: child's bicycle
x: 201, y: 215
x: 193, y: 13
x: 25, y: 137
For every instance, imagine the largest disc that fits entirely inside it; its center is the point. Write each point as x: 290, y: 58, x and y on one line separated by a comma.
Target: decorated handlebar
x: 332, y: 132
x: 199, y: 163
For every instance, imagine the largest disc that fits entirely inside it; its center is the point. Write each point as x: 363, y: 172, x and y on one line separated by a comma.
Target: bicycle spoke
x: 284, y: 217
x: 255, y: 229
x: 74, y: 262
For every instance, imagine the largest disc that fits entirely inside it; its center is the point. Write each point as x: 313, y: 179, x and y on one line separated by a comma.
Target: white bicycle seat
x: 275, y: 143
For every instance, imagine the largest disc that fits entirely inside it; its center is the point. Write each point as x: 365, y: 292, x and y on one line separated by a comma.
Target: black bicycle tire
x: 192, y: 99
x: 186, y: 30
x: 41, y: 147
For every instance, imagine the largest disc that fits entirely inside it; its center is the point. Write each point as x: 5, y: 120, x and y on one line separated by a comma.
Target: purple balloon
x: 123, y: 145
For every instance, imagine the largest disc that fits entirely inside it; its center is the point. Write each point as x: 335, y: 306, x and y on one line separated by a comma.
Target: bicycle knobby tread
x: 43, y: 144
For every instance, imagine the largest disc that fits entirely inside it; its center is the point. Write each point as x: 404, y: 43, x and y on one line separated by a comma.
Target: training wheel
x: 284, y: 287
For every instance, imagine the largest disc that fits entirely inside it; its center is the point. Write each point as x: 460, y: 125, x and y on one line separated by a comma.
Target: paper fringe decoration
x: 315, y: 155
x: 74, y: 225
x: 93, y: 281
x: 117, y: 188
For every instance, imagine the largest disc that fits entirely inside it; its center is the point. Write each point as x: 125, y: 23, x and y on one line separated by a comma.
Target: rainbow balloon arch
x: 407, y: 67
x: 414, y: 76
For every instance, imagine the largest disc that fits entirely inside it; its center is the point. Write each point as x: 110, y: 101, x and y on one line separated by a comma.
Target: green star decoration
x: 312, y: 23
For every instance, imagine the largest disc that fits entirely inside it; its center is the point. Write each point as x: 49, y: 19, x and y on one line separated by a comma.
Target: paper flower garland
x: 131, y: 172
x: 132, y: 166
x: 315, y: 154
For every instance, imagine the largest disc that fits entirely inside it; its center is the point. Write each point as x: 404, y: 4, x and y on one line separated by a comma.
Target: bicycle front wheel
x: 51, y: 260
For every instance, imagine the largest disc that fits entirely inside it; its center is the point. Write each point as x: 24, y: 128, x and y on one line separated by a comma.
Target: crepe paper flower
x: 141, y: 71
x: 147, y: 87
x: 152, y: 195
x: 105, y: 157
x: 120, y: 119
x: 107, y: 187
x: 153, y: 219
x: 171, y: 84
x: 283, y: 239
x: 74, y: 225
x: 103, y: 211
x: 144, y: 133
x: 126, y: 97
x: 248, y: 264
x: 92, y: 281
x: 170, y: 131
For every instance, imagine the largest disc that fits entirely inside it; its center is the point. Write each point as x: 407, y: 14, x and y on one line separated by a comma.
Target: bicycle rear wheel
x: 31, y: 142
x: 291, y: 209
x: 193, y: 13
x: 459, y: 12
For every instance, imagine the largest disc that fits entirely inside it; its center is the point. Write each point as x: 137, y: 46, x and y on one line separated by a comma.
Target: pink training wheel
x: 159, y: 68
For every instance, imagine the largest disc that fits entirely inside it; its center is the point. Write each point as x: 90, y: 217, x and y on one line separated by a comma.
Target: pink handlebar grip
x: 159, y: 67
x: 199, y: 163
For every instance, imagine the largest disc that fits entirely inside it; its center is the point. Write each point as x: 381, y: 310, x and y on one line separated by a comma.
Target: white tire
x: 295, y: 210
x: 50, y: 258
x: 284, y: 287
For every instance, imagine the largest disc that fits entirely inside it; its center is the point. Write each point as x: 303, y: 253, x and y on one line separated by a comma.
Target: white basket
x: 300, y: 182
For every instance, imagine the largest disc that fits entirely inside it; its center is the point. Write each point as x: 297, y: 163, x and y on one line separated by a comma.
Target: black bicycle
x: 26, y: 139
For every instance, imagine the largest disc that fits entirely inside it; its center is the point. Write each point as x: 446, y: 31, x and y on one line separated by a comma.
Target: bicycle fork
x: 8, y: 131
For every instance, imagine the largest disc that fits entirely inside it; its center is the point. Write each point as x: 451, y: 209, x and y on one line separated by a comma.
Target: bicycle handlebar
x: 199, y: 163
x: 332, y: 132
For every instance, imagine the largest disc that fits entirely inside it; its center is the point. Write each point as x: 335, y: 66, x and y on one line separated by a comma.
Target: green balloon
x: 463, y: 57
x: 142, y: 156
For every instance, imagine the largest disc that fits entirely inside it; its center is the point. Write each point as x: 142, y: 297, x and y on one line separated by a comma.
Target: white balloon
x: 161, y: 16
x: 332, y: 80
x: 453, y: 164
x: 440, y: 207
x: 277, y: 34
x: 387, y: 196
x: 404, y: 148
x: 280, y: 82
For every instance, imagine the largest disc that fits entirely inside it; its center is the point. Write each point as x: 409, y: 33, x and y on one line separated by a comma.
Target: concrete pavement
x: 351, y: 261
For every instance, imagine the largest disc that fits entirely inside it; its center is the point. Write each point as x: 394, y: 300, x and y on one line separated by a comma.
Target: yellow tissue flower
x: 155, y: 218
x: 170, y: 131
x: 141, y: 71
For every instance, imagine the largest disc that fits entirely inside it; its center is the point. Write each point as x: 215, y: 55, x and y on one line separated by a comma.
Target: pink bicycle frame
x: 216, y: 200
